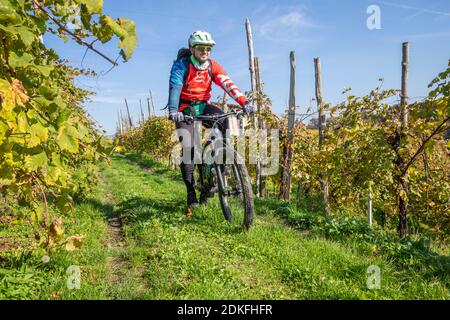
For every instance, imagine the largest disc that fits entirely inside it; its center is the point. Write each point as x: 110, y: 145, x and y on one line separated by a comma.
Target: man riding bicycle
x: 190, y: 83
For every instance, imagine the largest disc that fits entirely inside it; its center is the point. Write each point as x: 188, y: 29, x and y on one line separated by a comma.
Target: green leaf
x: 66, y: 140
x: 53, y: 174
x: 44, y: 70
x: 104, y: 33
x: 125, y: 30
x: 32, y: 163
x: 63, y: 117
x: 10, y: 29
x: 72, y: 131
x: 92, y: 6
x: 26, y: 36
x: 8, y: 14
x: 21, y: 3
x: 3, y: 130
x: 85, y: 17
x: 64, y: 202
x: 40, y: 24
x: 47, y: 92
x: 82, y: 131
x: 7, y: 175
x: 39, y: 134
x: 20, y: 60
x: 129, y: 42
x: 56, y: 159
x: 59, y: 101
x: 115, y: 27
x: 41, y: 103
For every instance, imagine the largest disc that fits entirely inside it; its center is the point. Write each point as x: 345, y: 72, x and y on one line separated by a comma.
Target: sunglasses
x: 203, y: 48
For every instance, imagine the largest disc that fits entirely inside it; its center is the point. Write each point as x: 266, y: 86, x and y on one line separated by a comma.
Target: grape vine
x: 49, y: 147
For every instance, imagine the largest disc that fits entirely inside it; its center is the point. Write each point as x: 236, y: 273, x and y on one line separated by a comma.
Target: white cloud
x: 114, y: 100
x: 108, y: 100
x: 295, y: 20
x: 285, y: 24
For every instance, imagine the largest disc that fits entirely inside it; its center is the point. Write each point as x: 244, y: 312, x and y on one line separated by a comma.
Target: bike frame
x: 218, y: 171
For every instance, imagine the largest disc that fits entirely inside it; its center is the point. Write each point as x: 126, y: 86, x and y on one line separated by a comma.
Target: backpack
x: 185, y: 55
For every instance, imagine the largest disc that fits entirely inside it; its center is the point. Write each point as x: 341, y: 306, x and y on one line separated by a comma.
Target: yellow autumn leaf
x: 4, y: 85
x: 22, y: 123
x: 55, y: 229
x: 119, y: 149
x: 19, y: 90
x: 14, y: 95
x: 74, y: 242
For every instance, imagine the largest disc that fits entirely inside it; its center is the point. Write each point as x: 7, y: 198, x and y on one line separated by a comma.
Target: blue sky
x: 336, y: 31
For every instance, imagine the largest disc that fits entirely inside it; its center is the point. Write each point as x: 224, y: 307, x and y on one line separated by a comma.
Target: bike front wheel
x: 235, y: 191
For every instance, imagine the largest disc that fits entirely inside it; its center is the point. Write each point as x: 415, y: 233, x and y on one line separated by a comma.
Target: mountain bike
x: 223, y: 171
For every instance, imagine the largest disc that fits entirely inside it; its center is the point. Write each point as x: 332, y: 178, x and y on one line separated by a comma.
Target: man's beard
x: 202, y: 61
x: 201, y: 65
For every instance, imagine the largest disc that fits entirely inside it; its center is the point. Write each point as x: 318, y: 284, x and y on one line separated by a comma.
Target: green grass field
x: 159, y: 253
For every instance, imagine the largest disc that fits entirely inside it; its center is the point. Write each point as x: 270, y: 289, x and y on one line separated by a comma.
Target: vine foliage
x: 49, y: 147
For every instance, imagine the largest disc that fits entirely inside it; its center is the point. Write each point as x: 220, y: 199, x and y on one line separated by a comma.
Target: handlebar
x: 234, y: 112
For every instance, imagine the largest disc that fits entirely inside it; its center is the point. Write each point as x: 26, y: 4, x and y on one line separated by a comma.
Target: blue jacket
x: 176, y: 84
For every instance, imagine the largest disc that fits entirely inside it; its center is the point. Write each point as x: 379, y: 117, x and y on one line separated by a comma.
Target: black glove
x: 249, y: 109
x: 176, y: 116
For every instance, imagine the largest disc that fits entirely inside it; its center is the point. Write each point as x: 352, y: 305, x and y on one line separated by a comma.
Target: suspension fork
x: 221, y: 180
x: 237, y: 178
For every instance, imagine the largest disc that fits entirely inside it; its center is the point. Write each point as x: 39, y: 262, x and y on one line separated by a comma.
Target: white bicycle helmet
x: 202, y: 38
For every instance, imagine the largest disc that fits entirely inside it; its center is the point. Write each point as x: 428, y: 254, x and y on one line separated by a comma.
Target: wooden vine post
x: 142, y: 112
x: 401, y: 162
x: 148, y: 108
x: 253, y: 85
x: 322, y: 127
x: 285, y: 186
x: 128, y: 112
x: 152, y: 104
x: 261, y: 125
x: 119, y: 123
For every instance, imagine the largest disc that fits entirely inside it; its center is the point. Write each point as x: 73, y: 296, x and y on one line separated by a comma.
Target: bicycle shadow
x: 151, y: 166
x: 140, y: 209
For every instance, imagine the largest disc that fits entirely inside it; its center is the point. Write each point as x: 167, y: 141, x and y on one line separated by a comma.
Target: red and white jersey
x: 198, y: 85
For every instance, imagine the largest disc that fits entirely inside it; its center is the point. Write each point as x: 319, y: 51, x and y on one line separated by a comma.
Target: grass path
x: 205, y: 257
x: 140, y: 245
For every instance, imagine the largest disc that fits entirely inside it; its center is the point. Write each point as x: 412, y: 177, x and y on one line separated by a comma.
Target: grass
x: 162, y: 254
x: 51, y: 277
